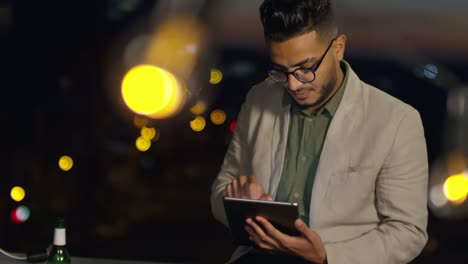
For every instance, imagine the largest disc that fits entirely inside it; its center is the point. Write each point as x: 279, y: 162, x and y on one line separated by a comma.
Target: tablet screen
x: 281, y: 214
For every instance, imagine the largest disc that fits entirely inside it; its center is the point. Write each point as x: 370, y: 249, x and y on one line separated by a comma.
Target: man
x: 352, y: 156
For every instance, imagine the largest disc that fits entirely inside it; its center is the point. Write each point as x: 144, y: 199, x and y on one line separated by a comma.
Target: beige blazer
x: 370, y: 191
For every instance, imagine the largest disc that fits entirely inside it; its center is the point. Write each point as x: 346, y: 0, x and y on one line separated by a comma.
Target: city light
x: 142, y: 144
x: 216, y: 76
x: 140, y: 122
x: 65, y: 163
x: 176, y: 101
x: 437, y: 196
x: 152, y: 91
x: 431, y: 71
x: 456, y: 188
x: 199, y: 108
x: 218, y: 117
x: 232, y: 126
x: 176, y: 44
x: 148, y: 133
x: 198, y: 124
x: 17, y: 193
x: 20, y: 214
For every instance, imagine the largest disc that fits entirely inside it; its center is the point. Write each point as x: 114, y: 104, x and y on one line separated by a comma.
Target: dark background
x: 56, y: 61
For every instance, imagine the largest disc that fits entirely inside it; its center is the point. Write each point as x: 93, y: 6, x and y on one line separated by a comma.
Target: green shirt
x: 306, y: 136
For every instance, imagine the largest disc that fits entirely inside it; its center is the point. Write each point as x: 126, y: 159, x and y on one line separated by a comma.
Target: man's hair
x: 285, y: 19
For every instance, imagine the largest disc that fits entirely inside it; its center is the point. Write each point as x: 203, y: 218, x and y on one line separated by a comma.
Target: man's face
x: 303, y: 52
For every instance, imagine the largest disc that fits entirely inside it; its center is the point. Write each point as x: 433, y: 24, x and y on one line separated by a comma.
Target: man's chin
x: 305, y: 103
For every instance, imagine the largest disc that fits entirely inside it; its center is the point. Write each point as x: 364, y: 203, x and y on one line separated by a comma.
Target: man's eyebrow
x: 299, y: 64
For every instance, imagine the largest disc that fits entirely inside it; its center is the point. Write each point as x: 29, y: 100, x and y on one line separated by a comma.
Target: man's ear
x: 339, y: 47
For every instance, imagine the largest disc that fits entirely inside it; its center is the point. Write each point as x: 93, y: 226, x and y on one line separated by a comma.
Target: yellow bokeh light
x: 17, y: 193
x: 456, y: 188
x: 65, y: 163
x: 176, y: 101
x: 176, y: 44
x: 142, y: 144
x: 140, y: 122
x: 456, y: 162
x: 199, y: 108
x: 147, y: 89
x: 148, y: 133
x: 218, y: 117
x: 216, y: 76
x: 198, y: 124
x: 152, y: 91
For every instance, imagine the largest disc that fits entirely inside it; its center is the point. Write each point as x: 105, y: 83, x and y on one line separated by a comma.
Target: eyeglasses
x: 305, y: 75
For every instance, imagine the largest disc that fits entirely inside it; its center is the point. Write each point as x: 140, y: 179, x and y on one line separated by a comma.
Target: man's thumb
x: 301, y: 226
x: 303, y: 229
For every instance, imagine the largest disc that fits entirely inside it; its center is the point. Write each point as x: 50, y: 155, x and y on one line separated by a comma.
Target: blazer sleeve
x: 234, y: 164
x: 401, y: 200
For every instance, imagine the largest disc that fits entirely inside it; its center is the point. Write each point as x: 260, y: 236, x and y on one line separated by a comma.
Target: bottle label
x: 60, y: 237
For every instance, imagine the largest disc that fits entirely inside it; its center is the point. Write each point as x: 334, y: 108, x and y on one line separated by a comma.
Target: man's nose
x: 293, y: 83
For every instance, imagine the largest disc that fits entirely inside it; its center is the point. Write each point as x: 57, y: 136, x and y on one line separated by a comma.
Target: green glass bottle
x: 59, y: 252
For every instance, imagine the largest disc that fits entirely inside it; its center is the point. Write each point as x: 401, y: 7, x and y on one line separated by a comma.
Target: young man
x: 352, y: 156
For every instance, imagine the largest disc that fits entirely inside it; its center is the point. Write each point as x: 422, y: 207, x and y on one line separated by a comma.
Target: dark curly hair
x: 285, y: 19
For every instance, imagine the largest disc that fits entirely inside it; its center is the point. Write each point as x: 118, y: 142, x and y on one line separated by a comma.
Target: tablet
x: 281, y: 214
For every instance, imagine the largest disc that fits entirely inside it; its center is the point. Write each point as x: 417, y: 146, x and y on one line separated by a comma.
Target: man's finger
x: 242, y: 180
x: 304, y: 230
x: 252, y: 179
x: 262, y: 235
x: 229, y: 190
x: 255, y: 191
x: 254, y: 237
x: 271, y: 230
x: 235, y: 188
x: 267, y: 197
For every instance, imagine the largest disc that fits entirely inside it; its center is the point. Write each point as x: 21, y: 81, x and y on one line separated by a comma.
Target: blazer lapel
x: 335, y: 156
x: 279, y: 141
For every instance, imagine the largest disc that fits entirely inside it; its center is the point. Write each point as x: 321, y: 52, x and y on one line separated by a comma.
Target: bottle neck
x: 60, y: 238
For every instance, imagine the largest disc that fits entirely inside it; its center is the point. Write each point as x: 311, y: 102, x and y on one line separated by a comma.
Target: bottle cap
x: 60, y: 222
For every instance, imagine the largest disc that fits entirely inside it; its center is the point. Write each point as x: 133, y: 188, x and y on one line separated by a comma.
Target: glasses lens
x: 304, y: 75
x: 277, y: 75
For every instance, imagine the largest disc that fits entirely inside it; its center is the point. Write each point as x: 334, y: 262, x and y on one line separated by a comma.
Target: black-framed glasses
x: 305, y: 75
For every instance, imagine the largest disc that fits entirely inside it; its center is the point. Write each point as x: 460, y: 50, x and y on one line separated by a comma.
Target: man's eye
x: 305, y: 70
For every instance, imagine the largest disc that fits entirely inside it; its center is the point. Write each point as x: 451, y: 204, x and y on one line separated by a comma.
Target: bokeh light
x: 140, y: 121
x: 431, y: 71
x: 199, y: 108
x: 151, y: 91
x: 14, y: 217
x: 148, y: 133
x: 216, y: 76
x: 456, y: 188
x: 218, y: 117
x: 457, y: 103
x: 176, y: 44
x: 20, y: 214
x: 176, y: 101
x: 65, y: 163
x: 17, y: 193
x: 23, y: 213
x: 437, y: 196
x: 142, y: 144
x: 198, y: 124
x: 232, y: 126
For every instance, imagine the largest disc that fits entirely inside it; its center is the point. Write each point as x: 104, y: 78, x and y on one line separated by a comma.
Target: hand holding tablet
x: 281, y: 215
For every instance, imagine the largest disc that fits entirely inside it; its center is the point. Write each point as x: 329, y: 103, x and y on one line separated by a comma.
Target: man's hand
x: 309, y: 246
x: 247, y: 187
